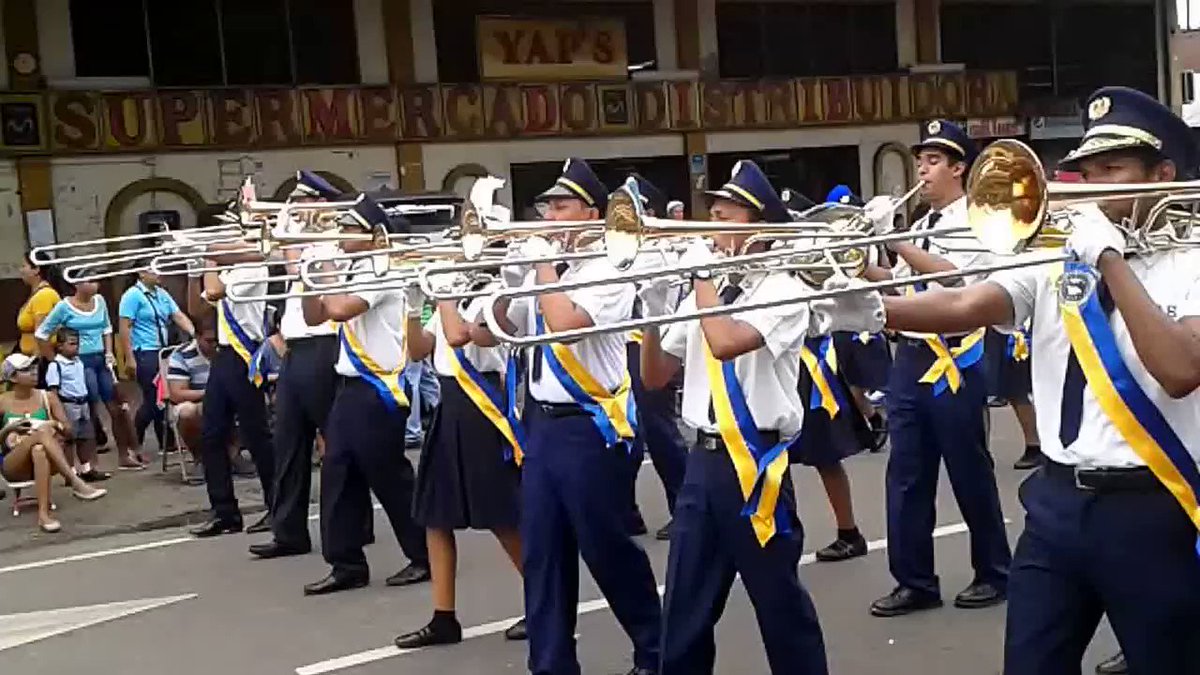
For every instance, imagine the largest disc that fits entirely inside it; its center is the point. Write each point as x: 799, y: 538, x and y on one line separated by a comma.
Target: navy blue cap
x: 795, y: 201
x: 369, y: 215
x: 1119, y: 118
x: 842, y: 194
x: 309, y: 184
x: 580, y: 182
x: 653, y: 199
x: 749, y: 186
x: 948, y: 137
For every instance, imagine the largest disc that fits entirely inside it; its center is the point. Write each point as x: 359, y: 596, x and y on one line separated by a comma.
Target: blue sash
x: 386, y: 382
x: 489, y: 401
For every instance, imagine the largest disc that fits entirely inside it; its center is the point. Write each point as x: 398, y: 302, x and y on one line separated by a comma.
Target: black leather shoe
x: 216, y: 527
x: 415, y: 573
x: 1113, y: 666
x: 841, y: 549
x: 641, y: 671
x: 428, y: 636
x: 903, y: 601
x: 516, y: 631
x: 273, y: 549
x: 1031, y: 459
x: 261, y: 525
x: 636, y: 525
x: 336, y: 582
x: 664, y: 532
x: 978, y: 595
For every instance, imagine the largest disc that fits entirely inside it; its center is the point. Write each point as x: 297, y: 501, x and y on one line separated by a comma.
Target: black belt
x: 714, y: 442
x: 1125, y: 479
x: 77, y: 400
x: 309, y: 340
x: 558, y: 410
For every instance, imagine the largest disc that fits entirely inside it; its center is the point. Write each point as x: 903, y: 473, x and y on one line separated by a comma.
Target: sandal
x: 50, y: 526
x: 95, y: 476
x: 92, y: 496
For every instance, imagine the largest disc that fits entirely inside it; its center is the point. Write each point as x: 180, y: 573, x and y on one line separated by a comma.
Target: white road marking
x: 21, y: 629
x: 494, y: 627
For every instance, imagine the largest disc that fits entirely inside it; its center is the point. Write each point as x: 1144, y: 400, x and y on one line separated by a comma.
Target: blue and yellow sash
x: 1018, y: 345
x: 614, y: 413
x: 948, y: 364
x: 386, y: 382
x: 1125, y: 403
x: 489, y: 401
x: 759, y: 469
x: 822, y: 368
x: 234, y: 333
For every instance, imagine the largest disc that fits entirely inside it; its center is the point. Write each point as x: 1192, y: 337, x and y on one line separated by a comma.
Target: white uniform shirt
x: 603, y: 356
x: 380, y: 329
x: 769, y: 376
x: 293, y: 326
x: 485, y: 359
x: 248, y: 315
x: 949, y: 247
x: 1173, y: 282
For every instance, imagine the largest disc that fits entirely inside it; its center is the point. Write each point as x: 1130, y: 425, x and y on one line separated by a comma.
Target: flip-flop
x: 90, y: 496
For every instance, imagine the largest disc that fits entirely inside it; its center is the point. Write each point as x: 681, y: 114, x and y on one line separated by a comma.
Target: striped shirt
x: 188, y: 364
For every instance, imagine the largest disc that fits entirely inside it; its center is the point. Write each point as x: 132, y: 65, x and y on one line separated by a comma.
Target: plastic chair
x: 173, y: 442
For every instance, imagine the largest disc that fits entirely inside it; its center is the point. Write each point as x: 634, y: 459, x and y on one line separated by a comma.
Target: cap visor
x: 1097, y: 145
x: 557, y: 192
x: 938, y: 144
x: 731, y: 196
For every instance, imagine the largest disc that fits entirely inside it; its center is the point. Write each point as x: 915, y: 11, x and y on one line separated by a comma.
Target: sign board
x: 995, y: 127
x: 1048, y: 127
x: 591, y: 48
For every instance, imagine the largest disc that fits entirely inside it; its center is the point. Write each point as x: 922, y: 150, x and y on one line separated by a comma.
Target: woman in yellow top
x: 43, y: 296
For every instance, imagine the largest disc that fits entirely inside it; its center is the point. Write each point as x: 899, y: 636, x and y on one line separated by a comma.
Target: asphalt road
x: 160, y: 602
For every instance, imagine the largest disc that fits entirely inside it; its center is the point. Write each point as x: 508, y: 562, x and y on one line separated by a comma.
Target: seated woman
x: 32, y: 437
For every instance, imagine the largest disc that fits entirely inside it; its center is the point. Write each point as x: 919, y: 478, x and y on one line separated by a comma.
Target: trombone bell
x: 1007, y: 196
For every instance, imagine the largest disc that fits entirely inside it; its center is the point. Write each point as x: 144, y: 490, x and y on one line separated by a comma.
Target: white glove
x: 851, y: 312
x: 536, y: 247
x: 286, y: 224
x: 655, y: 295
x: 881, y: 211
x: 698, y: 254
x: 414, y: 299
x: 446, y: 283
x: 1092, y: 233
x: 514, y: 275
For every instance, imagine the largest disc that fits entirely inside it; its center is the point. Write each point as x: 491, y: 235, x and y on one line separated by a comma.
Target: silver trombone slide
x: 440, y: 269
x: 386, y: 283
x: 44, y: 255
x: 1022, y: 260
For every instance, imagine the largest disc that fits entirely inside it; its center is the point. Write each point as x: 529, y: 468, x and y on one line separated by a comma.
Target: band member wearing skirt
x: 468, y: 477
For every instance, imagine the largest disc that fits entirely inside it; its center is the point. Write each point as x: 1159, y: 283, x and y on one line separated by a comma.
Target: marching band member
x: 304, y: 394
x: 579, y: 426
x: 736, y: 513
x: 469, y: 475
x: 936, y: 405
x: 658, y: 422
x: 1009, y: 383
x: 233, y: 394
x: 363, y: 450
x: 1116, y: 365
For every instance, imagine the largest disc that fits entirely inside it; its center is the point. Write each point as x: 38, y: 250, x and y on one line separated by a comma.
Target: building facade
x: 117, y: 112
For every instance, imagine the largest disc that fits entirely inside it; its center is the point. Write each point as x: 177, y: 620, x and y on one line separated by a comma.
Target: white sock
x: 83, y: 468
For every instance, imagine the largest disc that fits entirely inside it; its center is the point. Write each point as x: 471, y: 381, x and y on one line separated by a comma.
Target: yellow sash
x: 386, y: 382
x: 490, y: 403
x: 823, y: 371
x: 946, y: 371
x: 615, y: 413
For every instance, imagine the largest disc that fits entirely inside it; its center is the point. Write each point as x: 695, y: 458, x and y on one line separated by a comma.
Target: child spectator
x: 66, y: 379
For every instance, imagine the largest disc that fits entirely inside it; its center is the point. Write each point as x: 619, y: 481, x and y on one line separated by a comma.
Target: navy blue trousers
x: 574, y: 501
x: 658, y: 432
x: 925, y: 431
x: 1130, y: 555
x: 146, y: 365
x: 711, y: 542
x: 229, y: 396
x: 364, y: 454
x: 303, y: 397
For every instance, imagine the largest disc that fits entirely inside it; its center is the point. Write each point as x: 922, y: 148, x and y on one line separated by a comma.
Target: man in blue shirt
x: 146, y: 312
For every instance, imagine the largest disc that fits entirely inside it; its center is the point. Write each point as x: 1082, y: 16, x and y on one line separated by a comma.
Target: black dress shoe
x: 978, y: 595
x: 336, y: 582
x: 434, y: 633
x: 903, y: 601
x: 516, y: 631
x: 664, y: 532
x: 1113, y: 666
x: 261, y: 525
x: 636, y: 525
x: 273, y: 549
x: 1031, y: 459
x: 641, y: 671
x: 842, y: 549
x: 216, y: 527
x: 415, y: 573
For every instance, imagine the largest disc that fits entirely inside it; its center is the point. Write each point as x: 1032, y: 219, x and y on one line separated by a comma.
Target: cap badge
x: 935, y: 127
x: 1099, y: 108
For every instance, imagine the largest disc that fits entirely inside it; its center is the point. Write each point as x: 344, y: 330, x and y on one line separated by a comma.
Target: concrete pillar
x: 399, y: 42
x: 22, y: 51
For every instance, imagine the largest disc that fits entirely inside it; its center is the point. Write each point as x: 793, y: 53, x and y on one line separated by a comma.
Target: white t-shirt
x: 603, y: 356
x: 485, y: 359
x: 1173, y: 281
x: 769, y: 376
x: 293, y: 326
x: 248, y: 315
x: 380, y: 329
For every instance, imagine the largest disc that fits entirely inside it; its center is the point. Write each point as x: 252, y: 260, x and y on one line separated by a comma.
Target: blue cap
x: 948, y: 137
x: 842, y: 194
x: 653, y: 199
x: 1119, y: 118
x: 794, y: 200
x: 749, y: 186
x: 580, y: 182
x: 309, y: 184
x: 367, y: 214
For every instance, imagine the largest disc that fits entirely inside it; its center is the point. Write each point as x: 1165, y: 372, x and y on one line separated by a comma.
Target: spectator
x: 44, y: 288
x: 675, y: 210
x: 31, y: 438
x: 423, y: 392
x: 86, y: 313
x: 66, y: 379
x: 187, y: 375
x: 146, y: 314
